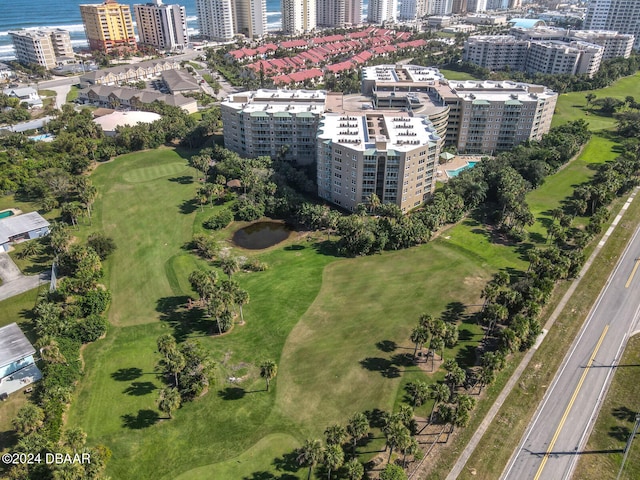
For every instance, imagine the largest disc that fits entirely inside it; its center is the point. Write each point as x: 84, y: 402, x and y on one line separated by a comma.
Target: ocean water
x: 16, y: 14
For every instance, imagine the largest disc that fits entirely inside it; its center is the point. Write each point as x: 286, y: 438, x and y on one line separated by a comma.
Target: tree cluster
x: 190, y: 369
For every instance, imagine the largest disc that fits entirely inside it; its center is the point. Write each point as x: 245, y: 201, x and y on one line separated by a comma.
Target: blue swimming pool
x: 6, y: 213
x: 456, y: 172
x: 45, y: 137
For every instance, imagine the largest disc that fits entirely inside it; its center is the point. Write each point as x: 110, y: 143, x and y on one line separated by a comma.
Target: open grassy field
x: 573, y: 106
x: 615, y: 423
x: 327, y: 321
x: 455, y: 75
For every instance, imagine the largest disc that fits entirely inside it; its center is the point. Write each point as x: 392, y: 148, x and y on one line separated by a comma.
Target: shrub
x: 95, y: 302
x: 91, y: 328
x: 103, y: 245
x: 220, y: 220
x: 255, y: 265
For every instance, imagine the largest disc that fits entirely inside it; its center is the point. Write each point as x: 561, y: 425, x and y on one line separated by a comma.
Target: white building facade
x: 621, y: 16
x: 298, y: 16
x: 42, y: 47
x: 381, y: 11
x: 215, y: 19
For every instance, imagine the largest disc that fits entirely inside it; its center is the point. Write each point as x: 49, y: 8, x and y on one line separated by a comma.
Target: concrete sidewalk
x: 14, y: 282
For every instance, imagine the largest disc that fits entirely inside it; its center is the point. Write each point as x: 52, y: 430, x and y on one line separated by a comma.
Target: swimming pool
x: 456, y: 172
x: 45, y: 137
x: 6, y: 213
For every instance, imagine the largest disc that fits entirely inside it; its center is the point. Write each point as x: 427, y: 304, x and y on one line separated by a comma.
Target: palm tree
x: 419, y: 391
x: 357, y: 427
x: 487, y: 377
x: 419, y: 336
x: 333, y: 458
x: 396, y: 434
x: 29, y: 249
x: 439, y: 393
x: 75, y: 438
x: 166, y: 343
x: 29, y: 419
x: 455, y: 376
x: 242, y: 298
x: 88, y: 196
x: 72, y: 211
x: 169, y: 400
x: 437, y: 343
x: 229, y: 265
x: 268, y: 371
x: 354, y: 469
x: 50, y: 350
x: 335, y: 434
x: 310, y: 454
x: 374, y: 203
x: 590, y: 98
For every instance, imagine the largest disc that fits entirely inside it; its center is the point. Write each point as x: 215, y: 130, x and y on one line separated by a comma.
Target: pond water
x: 261, y: 235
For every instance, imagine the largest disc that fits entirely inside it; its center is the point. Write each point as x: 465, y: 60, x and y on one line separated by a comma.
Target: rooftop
x: 13, y: 345
x: 119, y: 119
x: 19, y: 224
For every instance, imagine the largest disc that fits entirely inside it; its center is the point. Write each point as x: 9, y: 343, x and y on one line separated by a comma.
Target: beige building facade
x: 42, y: 47
x: 162, y: 26
x: 392, y: 155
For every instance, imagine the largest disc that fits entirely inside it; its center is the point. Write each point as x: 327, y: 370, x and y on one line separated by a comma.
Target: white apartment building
x: 268, y: 122
x: 499, y: 52
x: 42, y: 47
x: 615, y: 44
x: 250, y: 17
x: 215, y: 19
x: 496, y: 116
x: 413, y: 9
x: 393, y: 155
x: 441, y: 7
x: 496, y: 52
x: 162, y: 26
x: 381, y: 11
x: 497, y: 4
x: 621, y: 16
x: 298, y: 16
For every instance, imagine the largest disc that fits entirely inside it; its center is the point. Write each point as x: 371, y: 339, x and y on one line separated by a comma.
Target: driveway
x: 14, y: 282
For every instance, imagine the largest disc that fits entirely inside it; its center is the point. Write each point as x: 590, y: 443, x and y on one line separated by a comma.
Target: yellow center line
x: 633, y: 272
x: 568, y: 409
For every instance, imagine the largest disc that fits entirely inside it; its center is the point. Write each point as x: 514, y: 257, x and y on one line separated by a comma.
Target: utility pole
x: 628, y: 446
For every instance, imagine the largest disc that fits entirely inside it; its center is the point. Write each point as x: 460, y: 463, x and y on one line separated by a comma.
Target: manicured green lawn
x: 557, y: 187
x: 323, y: 326
x: 455, y: 75
x: 572, y: 106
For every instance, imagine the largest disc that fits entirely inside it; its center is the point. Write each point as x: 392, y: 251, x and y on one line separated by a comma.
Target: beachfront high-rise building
x: 381, y: 11
x: 622, y: 16
x: 441, y: 7
x: 215, y: 19
x: 162, y: 26
x: 331, y: 13
x: 477, y: 6
x: 413, y: 9
x: 459, y: 7
x: 353, y: 12
x: 108, y: 26
x: 250, y: 17
x: 298, y: 16
x: 42, y: 47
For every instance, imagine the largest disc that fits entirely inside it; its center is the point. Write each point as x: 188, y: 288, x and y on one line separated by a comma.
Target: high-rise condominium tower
x: 622, y: 16
x: 250, y: 17
x: 337, y: 13
x: 108, y: 26
x: 161, y: 26
x: 298, y: 16
x: 381, y: 11
x: 215, y: 19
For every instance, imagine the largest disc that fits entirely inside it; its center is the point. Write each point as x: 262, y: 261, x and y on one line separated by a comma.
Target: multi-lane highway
x: 558, y: 432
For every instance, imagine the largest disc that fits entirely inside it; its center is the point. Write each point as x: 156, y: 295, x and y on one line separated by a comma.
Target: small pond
x: 261, y: 235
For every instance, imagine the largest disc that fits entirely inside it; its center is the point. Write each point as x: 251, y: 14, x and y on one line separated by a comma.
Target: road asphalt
x: 558, y: 432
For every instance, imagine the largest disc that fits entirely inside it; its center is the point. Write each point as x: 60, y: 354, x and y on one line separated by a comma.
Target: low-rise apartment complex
x: 43, y: 47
